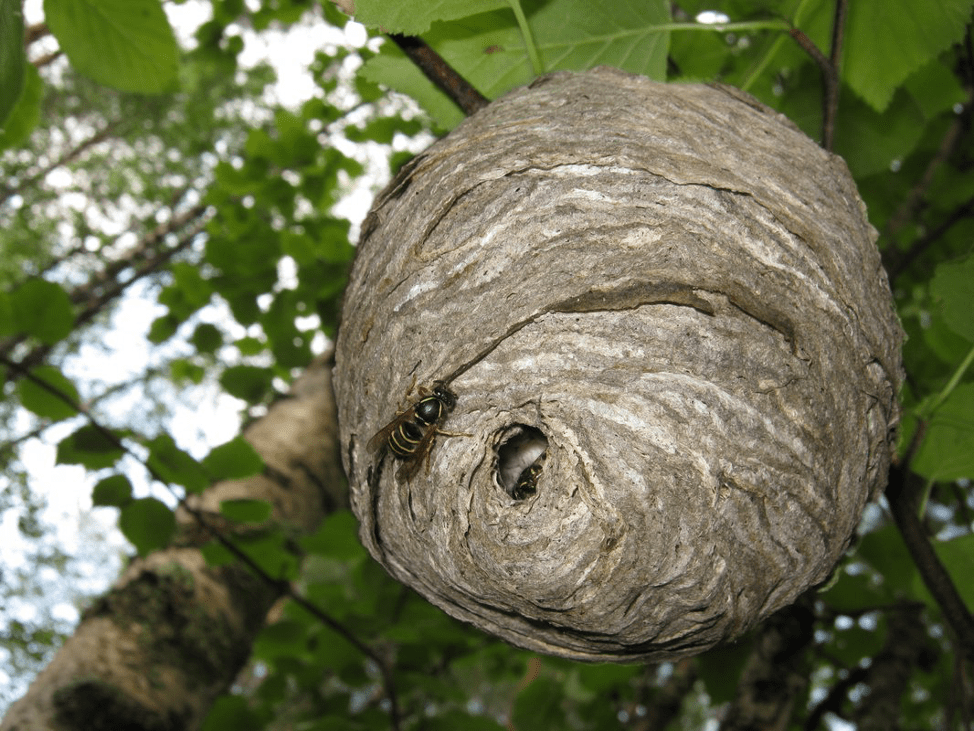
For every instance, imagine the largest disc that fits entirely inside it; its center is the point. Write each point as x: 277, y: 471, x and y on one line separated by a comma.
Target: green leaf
x: 7, y: 320
x: 488, y: 49
x: 383, y: 129
x: 413, y: 17
x: 269, y: 551
x: 947, y: 449
x: 604, y: 677
x: 337, y: 538
x: 935, y: 89
x: 89, y: 447
x: 721, y: 667
x: 115, y: 490
x: 42, y: 309
x: 183, y: 369
x: 571, y: 35
x: 850, y: 646
x: 250, y: 383
x: 246, y: 511
x: 887, y: 40
x: 27, y: 112
x: 854, y: 592
x: 206, y: 338
x: 286, y: 637
x: 299, y: 246
x: 125, y: 44
x: 233, y: 461
x: 163, y: 328
x: 43, y: 401
x: 869, y: 141
x: 539, y: 705
x: 885, y: 551
x: 188, y: 292
x: 953, y: 286
x: 454, y: 719
x: 216, y: 554
x: 231, y: 712
x: 249, y: 346
x: 12, y: 58
x: 943, y: 341
x: 174, y: 466
x: 148, y: 524
x: 957, y: 556
x: 391, y: 68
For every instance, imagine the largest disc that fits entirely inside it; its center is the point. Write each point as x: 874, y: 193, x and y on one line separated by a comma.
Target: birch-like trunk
x: 172, y: 633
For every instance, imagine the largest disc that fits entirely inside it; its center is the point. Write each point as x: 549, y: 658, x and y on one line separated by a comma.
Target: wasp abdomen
x: 405, y: 439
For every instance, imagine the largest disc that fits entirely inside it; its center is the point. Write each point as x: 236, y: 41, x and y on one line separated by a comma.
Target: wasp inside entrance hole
x: 520, y: 458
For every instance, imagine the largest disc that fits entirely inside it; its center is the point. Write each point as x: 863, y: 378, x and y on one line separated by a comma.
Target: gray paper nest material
x: 682, y: 292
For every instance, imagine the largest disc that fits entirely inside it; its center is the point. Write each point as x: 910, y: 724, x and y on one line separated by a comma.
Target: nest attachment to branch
x: 674, y: 357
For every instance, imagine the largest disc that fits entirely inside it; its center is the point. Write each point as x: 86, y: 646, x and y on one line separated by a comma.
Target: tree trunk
x: 173, y: 632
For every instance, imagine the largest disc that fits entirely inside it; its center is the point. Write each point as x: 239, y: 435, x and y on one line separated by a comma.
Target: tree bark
x: 907, y: 647
x: 173, y: 632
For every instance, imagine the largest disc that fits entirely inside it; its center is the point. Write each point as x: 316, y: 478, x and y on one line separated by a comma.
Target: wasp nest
x: 674, y: 358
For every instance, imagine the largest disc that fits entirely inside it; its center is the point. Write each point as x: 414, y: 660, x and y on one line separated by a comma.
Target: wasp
x: 411, y: 434
x: 527, y: 481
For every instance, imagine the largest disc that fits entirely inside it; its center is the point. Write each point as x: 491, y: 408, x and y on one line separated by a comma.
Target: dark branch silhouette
x: 901, y: 495
x: 830, y: 84
x: 461, y: 91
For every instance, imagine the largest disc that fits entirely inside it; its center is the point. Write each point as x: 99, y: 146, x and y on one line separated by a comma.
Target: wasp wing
x: 381, y: 437
x: 419, y: 456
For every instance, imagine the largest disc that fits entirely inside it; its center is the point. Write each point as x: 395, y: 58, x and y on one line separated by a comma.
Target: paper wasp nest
x: 674, y: 355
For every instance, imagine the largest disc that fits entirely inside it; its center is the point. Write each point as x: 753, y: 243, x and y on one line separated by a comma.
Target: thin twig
x: 830, y: 102
x: 832, y: 703
x: 72, y: 154
x: 916, y: 195
x: 775, y: 676
x: 99, y: 298
x: 47, y: 59
x: 35, y: 31
x: 830, y: 80
x: 665, y: 706
x: 896, y: 262
x: 901, y: 495
x: 463, y: 94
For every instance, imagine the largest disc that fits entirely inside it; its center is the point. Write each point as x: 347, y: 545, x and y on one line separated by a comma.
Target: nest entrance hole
x: 520, y: 457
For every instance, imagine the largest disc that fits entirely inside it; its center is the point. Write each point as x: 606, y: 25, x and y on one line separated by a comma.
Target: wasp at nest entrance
x: 411, y: 434
x: 520, y: 458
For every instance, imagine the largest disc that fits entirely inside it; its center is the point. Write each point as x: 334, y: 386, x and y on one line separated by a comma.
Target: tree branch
x: 830, y: 102
x: 103, y: 288
x: 72, y: 154
x: 463, y: 94
x: 830, y: 81
x: 832, y: 703
x: 901, y: 495
x: 665, y: 706
x: 776, y: 672
x: 35, y: 32
x: 888, y: 676
x: 892, y: 258
x: 897, y: 262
